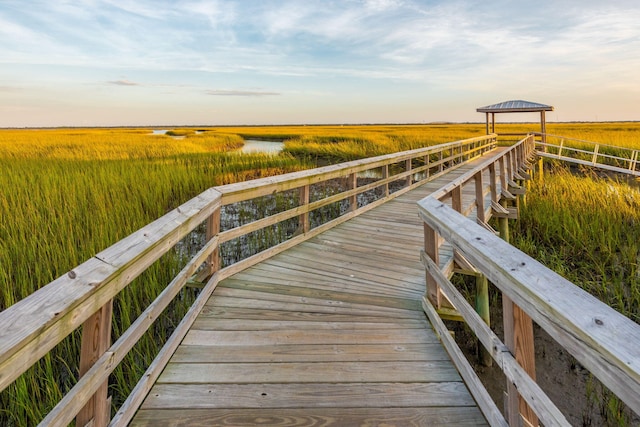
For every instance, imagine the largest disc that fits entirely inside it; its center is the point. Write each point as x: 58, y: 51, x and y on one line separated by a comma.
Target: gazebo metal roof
x: 516, y: 106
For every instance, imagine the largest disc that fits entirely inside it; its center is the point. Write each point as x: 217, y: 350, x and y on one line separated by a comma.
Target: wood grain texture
x: 312, y: 417
x: 317, y: 395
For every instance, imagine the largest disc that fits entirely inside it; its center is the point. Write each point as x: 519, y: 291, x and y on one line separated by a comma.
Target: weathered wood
x: 139, y: 392
x: 488, y: 408
x: 531, y: 392
x: 303, y: 195
x: 318, y: 395
x: 482, y: 308
x: 313, y: 417
x: 313, y: 372
x: 250, y: 314
x: 98, y: 372
x: 432, y: 250
x: 332, y: 295
x: 395, y: 352
x: 292, y: 336
x: 479, y: 197
x: 600, y: 338
x: 213, y: 228
x: 96, y: 339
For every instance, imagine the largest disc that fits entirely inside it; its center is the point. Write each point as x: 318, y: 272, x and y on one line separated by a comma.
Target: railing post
x: 480, y: 208
x: 96, y: 339
x: 407, y: 168
x: 456, y: 199
x: 503, y: 174
x: 213, y: 228
x: 385, y: 175
x: 632, y: 160
x: 352, y: 184
x: 482, y: 284
x: 431, y: 244
x: 426, y: 165
x: 493, y: 182
x: 303, y: 220
x: 482, y: 308
x: 518, y: 337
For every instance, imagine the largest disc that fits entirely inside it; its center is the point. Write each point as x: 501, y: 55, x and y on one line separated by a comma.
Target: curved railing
x: 84, y: 296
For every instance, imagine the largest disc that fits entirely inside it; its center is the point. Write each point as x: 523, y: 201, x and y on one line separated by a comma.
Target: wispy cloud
x: 9, y: 89
x: 241, y: 93
x: 123, y: 83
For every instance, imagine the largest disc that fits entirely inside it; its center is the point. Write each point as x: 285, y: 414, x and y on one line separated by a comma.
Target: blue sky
x: 160, y: 62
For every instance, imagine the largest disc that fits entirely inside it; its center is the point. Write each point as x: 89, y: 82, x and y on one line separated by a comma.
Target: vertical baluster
x: 518, y: 337
x: 213, y: 228
x: 385, y: 175
x: 482, y: 284
x: 431, y: 248
x: 352, y: 184
x: 303, y: 194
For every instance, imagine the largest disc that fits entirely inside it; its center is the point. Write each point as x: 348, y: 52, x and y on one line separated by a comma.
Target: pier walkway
x: 329, y: 332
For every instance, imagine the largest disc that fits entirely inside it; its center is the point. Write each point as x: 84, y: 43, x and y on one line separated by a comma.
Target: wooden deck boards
x: 330, y: 332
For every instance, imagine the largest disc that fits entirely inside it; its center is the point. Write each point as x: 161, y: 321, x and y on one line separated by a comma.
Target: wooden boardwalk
x: 328, y: 327
x: 329, y: 332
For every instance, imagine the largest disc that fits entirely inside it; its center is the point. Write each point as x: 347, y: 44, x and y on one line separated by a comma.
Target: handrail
x: 83, y: 296
x: 600, y: 338
x: 588, y: 153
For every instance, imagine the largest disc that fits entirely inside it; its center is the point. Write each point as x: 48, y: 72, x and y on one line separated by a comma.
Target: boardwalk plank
x: 284, y: 315
x: 310, y: 353
x: 288, y: 304
x: 315, y: 395
x: 314, y: 372
x: 391, y: 302
x: 312, y: 417
x: 213, y: 324
x: 292, y: 336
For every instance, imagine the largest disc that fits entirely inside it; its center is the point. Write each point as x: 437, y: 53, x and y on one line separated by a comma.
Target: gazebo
x: 517, y: 106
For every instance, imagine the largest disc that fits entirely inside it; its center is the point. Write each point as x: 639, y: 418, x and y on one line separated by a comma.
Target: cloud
x: 241, y: 93
x: 10, y: 89
x: 123, y: 82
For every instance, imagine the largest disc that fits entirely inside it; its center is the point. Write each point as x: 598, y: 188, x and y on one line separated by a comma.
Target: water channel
x: 259, y: 146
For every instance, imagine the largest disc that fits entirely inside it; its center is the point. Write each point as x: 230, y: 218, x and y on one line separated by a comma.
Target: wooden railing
x: 84, y: 296
x: 601, y: 339
x: 609, y: 157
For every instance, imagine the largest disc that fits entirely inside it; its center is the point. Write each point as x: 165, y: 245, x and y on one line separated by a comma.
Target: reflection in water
x: 257, y: 146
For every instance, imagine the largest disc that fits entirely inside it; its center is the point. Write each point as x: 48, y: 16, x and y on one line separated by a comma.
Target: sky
x: 255, y: 62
